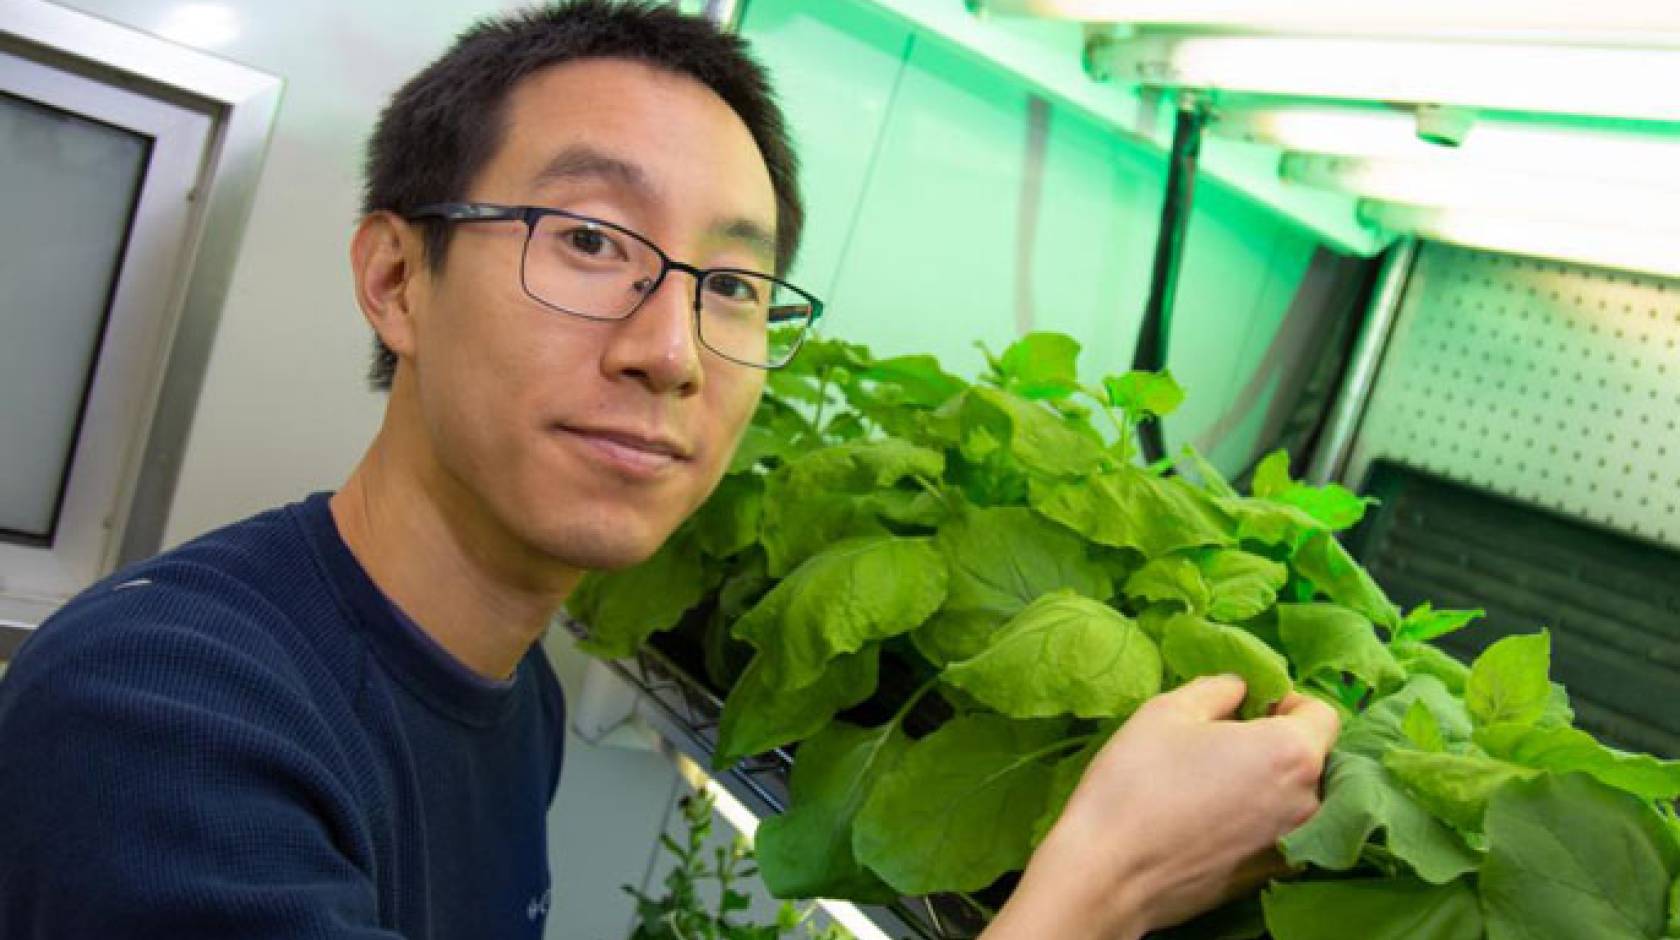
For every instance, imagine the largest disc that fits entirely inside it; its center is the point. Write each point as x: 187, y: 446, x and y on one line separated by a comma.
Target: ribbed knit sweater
x: 243, y: 738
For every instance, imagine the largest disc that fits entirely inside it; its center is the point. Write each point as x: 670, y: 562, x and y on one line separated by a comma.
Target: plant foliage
x: 998, y: 542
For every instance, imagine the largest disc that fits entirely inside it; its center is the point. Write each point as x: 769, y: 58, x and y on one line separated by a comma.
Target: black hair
x: 442, y: 127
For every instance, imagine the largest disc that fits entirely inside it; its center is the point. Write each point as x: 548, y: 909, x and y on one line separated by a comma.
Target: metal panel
x: 1555, y: 384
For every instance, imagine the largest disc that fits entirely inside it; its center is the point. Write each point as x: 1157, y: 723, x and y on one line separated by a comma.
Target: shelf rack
x: 685, y: 715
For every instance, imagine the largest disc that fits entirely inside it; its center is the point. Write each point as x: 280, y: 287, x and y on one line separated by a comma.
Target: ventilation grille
x: 1554, y: 384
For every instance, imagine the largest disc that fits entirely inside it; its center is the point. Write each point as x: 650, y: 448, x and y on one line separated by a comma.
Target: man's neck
x: 444, y: 562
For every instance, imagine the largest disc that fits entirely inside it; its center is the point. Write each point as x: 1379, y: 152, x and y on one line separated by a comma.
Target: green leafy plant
x: 995, y: 547
x: 683, y: 914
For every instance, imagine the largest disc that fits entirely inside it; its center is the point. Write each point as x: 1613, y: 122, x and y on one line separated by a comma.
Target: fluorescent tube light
x: 1635, y: 84
x: 1559, y: 148
x: 1448, y: 182
x: 1638, y: 22
x: 1650, y: 250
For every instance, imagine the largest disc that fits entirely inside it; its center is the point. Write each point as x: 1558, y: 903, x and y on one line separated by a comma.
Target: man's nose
x: 658, y: 344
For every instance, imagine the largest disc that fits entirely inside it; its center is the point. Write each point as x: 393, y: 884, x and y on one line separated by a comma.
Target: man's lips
x: 635, y: 452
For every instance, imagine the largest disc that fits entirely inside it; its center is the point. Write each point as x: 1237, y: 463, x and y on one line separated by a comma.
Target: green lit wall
x: 948, y: 205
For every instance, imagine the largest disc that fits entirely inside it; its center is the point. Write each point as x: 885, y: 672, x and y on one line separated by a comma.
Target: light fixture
x: 1629, y: 248
x: 1587, y: 149
x: 1562, y: 79
x: 1447, y: 182
x: 1635, y: 22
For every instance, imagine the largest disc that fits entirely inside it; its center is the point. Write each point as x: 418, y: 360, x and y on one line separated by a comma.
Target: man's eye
x: 592, y: 243
x: 738, y: 289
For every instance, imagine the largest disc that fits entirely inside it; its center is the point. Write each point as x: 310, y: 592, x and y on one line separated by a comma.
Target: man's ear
x: 385, y: 261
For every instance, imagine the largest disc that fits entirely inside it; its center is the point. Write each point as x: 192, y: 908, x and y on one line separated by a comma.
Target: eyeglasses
x: 597, y: 270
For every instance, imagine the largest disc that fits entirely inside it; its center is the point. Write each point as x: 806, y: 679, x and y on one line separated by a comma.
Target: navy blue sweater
x: 243, y: 738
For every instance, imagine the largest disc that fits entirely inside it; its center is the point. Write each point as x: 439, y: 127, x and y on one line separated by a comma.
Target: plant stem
x: 916, y: 696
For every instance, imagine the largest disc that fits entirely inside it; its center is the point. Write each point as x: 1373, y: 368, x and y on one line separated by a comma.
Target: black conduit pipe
x: 1151, y: 351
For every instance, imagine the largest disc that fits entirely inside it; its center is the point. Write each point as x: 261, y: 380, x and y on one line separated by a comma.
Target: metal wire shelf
x: 686, y: 714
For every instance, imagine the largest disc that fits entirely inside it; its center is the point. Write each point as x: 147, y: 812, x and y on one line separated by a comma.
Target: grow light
x: 1627, y: 83
x: 1649, y: 249
x: 1497, y: 140
x: 1633, y: 21
x: 1458, y: 184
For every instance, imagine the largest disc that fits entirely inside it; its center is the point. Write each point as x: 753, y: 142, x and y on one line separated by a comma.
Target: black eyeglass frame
x: 532, y: 215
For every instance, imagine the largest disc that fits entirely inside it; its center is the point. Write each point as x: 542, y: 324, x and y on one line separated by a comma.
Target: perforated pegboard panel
x: 1554, y: 384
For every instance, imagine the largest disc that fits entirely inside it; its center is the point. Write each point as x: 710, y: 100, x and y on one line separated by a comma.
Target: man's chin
x: 596, y: 550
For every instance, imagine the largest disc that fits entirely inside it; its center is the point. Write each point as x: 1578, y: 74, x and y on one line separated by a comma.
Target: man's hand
x: 1180, y: 811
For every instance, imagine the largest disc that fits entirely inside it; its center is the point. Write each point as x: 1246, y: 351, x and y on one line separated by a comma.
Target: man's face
x: 590, y: 441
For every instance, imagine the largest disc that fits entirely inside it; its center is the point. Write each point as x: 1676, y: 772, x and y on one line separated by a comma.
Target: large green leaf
x: 860, y: 466
x: 1000, y: 560
x: 622, y: 608
x: 1570, y: 858
x: 1194, y: 647
x: 758, y: 716
x: 1361, y: 799
x: 1324, y: 562
x: 1333, y: 505
x: 913, y: 380
x: 853, y: 593
x: 1170, y: 579
x: 1424, y: 622
x: 1268, y: 522
x: 1425, y: 659
x: 1037, y: 439
x: 728, y: 522
x: 1509, y: 682
x: 953, y: 635
x: 1564, y: 750
x: 1064, y: 779
x: 1063, y: 655
x: 1383, y: 724
x: 1242, y: 585
x: 807, y: 851
x: 1326, y: 640
x: 958, y: 810
x: 1128, y: 508
x: 836, y: 493
x: 1454, y: 787
x: 1144, y: 394
x: 1377, y: 908
x: 1673, y: 929
x: 1041, y: 365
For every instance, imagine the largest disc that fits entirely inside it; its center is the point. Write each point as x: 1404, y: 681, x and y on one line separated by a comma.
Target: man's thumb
x: 1211, y: 697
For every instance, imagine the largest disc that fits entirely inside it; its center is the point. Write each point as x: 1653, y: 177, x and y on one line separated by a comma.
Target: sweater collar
x: 424, y: 667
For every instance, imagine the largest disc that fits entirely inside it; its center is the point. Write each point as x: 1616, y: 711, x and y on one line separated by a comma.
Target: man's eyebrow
x: 583, y: 161
x: 751, y: 234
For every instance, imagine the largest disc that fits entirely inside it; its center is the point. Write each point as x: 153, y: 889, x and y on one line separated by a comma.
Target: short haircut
x: 441, y: 128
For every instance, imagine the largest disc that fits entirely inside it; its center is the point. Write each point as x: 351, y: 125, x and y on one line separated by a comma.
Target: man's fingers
x: 1319, y: 720
x: 1210, y: 697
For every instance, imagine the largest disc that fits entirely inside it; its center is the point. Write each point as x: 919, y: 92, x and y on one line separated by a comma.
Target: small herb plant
x: 682, y: 914
x: 998, y: 541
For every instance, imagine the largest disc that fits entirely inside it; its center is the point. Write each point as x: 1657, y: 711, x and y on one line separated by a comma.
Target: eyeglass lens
x: 599, y: 272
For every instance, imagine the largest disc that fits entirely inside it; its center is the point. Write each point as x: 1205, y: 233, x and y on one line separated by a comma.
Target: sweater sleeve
x: 161, y: 779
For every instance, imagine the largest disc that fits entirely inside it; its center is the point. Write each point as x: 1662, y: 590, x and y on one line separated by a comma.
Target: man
x: 331, y: 721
